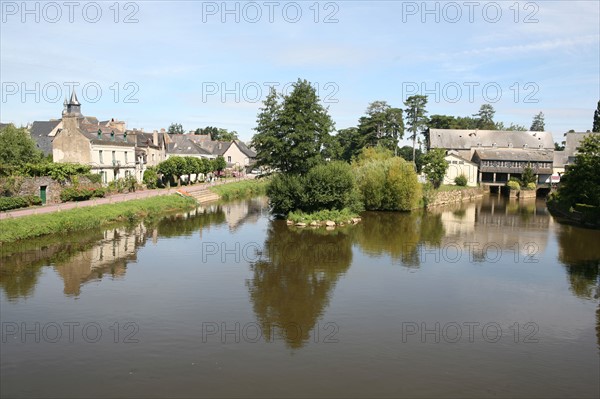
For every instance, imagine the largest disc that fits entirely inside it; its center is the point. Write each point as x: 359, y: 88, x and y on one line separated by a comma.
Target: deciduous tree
x: 435, y: 165
x: 17, y: 147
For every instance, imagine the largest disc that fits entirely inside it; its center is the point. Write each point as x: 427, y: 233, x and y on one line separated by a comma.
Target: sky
x: 153, y: 63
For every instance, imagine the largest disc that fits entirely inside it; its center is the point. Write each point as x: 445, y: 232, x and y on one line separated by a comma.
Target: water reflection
x: 21, y: 263
x: 295, y: 276
x: 578, y: 251
x: 493, y: 225
x: 398, y: 235
x: 293, y: 280
x: 91, y: 255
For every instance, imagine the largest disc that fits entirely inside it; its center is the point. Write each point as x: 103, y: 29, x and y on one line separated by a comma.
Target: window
x: 153, y: 157
x: 114, y: 156
x: 229, y: 159
x: 125, y: 157
x: 100, y: 156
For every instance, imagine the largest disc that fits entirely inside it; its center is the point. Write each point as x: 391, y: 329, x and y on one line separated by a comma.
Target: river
x: 484, y: 299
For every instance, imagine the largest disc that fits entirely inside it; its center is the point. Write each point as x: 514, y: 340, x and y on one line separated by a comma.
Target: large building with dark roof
x: 499, y: 154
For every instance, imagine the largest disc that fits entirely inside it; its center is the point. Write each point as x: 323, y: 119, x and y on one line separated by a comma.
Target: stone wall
x: 527, y: 194
x: 454, y: 196
x: 32, y: 185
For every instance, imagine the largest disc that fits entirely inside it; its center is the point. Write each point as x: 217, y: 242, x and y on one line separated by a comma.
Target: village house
x: 562, y: 159
x: 151, y: 148
x: 499, y: 155
x: 236, y: 154
x: 115, y: 152
x: 458, y: 166
x: 109, y: 151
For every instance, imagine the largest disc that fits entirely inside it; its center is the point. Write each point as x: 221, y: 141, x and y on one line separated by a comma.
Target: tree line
x: 216, y: 133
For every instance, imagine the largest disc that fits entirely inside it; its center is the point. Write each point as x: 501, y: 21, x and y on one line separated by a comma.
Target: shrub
x: 531, y: 186
x: 429, y: 194
x: 461, y: 180
x: 330, y: 186
x: 95, y: 178
x: 388, y: 184
x: 81, y: 193
x: 513, y: 185
x: 150, y: 177
x: 527, y: 177
x: 286, y: 193
x: 8, y: 203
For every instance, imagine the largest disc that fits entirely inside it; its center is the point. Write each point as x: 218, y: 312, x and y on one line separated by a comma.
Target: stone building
x: 110, y: 152
x: 499, y: 155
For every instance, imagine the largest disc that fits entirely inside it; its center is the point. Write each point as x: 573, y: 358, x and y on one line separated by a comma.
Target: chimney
x: 162, y: 130
x: 155, y: 137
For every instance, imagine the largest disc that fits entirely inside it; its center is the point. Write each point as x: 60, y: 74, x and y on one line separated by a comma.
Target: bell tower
x: 72, y: 107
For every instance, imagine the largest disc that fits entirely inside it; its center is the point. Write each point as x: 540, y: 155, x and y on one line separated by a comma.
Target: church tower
x: 71, y: 113
x: 73, y: 107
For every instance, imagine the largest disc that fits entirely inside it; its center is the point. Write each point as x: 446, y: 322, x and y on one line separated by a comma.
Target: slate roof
x: 466, y: 139
x: 244, y: 148
x: 572, y: 143
x: 215, y: 147
x: 39, y: 133
x: 507, y: 154
x: 146, y: 139
x: 560, y: 158
x: 119, y: 139
x: 3, y: 125
x: 183, y: 145
x: 457, y: 155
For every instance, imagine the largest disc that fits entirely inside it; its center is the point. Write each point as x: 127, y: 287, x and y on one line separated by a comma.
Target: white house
x: 459, y: 166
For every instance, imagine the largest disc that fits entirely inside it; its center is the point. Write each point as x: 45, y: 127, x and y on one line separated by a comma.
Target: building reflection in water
x: 95, y: 254
x: 485, y: 229
x: 107, y: 257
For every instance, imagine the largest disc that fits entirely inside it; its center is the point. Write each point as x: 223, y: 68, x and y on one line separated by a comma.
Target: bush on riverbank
x: 328, y: 186
x: 81, y: 193
x: 89, y: 217
x: 388, y: 185
x: 8, y: 203
x: 241, y: 189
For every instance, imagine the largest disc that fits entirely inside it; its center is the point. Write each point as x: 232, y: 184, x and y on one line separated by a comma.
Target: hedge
x: 8, y: 203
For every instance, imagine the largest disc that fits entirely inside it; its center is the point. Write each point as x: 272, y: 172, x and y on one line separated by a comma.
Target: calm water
x: 486, y: 299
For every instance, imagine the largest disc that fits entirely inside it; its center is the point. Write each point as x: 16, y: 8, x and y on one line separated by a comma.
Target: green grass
x: 336, y: 216
x: 451, y: 187
x: 89, y: 217
x: 241, y: 189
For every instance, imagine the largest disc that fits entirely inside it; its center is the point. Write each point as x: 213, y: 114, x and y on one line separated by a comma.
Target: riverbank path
x: 38, y: 210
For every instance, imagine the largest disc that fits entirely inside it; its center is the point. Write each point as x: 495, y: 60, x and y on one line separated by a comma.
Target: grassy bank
x: 89, y: 217
x: 241, y: 189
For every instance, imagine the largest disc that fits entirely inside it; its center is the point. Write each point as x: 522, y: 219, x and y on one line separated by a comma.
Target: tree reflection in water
x: 399, y: 235
x: 294, y: 277
x: 578, y: 251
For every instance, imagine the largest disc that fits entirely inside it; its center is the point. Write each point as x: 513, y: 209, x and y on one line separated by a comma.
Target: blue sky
x: 196, y: 64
